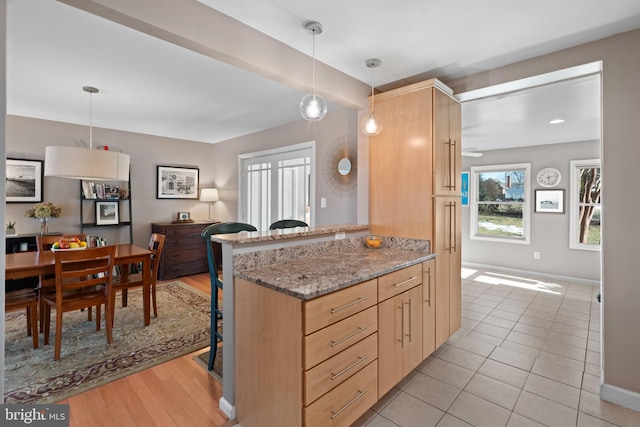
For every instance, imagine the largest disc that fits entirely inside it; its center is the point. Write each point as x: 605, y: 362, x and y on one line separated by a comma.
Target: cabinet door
x: 412, y: 329
x: 428, y: 308
x: 389, y: 344
x: 447, y: 213
x: 446, y: 145
x: 400, y: 158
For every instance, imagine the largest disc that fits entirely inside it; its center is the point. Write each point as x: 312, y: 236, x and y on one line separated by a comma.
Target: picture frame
x: 107, y: 213
x: 184, y: 216
x: 550, y: 201
x: 175, y: 182
x: 24, y: 180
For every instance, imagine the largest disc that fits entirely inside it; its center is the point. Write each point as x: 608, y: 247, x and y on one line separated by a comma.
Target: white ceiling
x: 151, y: 86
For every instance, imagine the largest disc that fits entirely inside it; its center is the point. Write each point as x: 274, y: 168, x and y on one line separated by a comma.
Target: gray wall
x: 27, y: 139
x: 621, y: 233
x: 328, y: 132
x: 549, y: 232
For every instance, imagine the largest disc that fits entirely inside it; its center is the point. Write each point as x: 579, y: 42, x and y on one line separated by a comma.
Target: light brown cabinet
x: 428, y: 308
x: 305, y: 363
x: 400, y: 337
x: 415, y: 185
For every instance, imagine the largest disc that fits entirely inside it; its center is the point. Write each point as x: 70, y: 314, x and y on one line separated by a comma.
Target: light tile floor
x: 528, y: 354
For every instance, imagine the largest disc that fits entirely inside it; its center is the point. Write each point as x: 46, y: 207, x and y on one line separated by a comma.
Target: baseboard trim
x: 620, y: 396
x: 532, y: 273
x: 227, y: 408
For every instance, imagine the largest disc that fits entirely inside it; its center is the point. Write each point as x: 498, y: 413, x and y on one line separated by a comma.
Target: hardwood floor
x: 175, y: 393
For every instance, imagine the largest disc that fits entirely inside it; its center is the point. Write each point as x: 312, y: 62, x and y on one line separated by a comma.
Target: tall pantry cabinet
x: 415, y: 185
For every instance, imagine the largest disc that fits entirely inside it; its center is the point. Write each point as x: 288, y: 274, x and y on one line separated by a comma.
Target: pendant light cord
x: 90, y: 120
x: 372, y: 94
x: 313, y: 64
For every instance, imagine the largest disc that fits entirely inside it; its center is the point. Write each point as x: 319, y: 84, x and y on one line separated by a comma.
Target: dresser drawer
x: 186, y: 240
x: 184, y: 230
x: 331, y: 340
x: 339, y: 368
x: 328, y: 309
x: 177, y: 255
x: 346, y: 402
x: 399, y: 281
x: 185, y: 268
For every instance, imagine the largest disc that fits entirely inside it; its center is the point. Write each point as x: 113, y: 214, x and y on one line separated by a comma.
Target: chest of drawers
x: 184, y: 250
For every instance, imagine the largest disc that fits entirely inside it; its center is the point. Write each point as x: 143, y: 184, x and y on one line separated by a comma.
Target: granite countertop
x: 309, y: 277
x: 285, y: 233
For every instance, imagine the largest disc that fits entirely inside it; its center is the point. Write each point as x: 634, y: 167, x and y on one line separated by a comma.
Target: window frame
x: 574, y: 209
x: 526, y: 206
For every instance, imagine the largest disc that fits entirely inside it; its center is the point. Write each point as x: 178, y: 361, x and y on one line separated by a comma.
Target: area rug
x: 87, y: 361
x: 203, y: 360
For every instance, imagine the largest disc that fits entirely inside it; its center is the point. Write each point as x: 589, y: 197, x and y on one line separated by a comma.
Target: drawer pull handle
x: 410, y: 279
x: 359, y: 300
x: 356, y: 332
x: 354, y: 400
x: 360, y: 359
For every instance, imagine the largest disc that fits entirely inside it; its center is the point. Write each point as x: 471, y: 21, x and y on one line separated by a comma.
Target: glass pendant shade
x: 313, y: 107
x: 371, y: 124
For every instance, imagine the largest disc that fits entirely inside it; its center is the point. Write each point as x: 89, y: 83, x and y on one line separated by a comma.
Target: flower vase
x: 44, y: 226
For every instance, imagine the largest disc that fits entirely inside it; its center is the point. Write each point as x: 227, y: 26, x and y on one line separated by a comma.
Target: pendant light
x: 313, y: 107
x: 86, y: 163
x: 371, y: 124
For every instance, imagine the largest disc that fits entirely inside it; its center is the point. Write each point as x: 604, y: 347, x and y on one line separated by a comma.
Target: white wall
x: 621, y: 234
x: 549, y: 232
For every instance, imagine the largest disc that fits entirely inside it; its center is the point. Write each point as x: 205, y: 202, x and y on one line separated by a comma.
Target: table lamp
x: 209, y: 195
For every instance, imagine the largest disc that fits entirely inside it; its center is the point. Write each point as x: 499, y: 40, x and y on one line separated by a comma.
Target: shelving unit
x: 88, y: 208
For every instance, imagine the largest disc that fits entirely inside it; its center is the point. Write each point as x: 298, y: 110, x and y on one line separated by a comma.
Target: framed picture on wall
x: 24, y: 181
x: 177, y: 182
x: 550, y: 201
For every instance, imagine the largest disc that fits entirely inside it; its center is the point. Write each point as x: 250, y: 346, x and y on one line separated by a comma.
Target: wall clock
x: 548, y: 177
x: 339, y: 166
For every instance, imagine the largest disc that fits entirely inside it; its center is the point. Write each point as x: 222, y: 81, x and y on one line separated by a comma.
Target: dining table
x: 38, y: 263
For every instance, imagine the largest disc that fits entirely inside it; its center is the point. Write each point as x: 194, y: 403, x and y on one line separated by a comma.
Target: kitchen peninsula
x: 323, y: 325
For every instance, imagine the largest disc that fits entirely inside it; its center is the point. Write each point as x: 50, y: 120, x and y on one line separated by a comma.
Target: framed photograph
x: 550, y: 201
x: 24, y: 181
x: 184, y: 216
x: 107, y: 213
x: 177, y: 182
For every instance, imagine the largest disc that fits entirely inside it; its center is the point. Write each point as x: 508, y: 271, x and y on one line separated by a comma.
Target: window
x: 586, y: 192
x: 276, y: 184
x: 500, y: 203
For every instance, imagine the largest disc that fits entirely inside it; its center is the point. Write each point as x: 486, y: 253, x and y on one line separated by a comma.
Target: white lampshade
x: 209, y: 195
x: 86, y: 163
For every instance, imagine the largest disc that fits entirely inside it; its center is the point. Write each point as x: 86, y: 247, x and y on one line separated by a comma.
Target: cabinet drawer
x: 399, y: 281
x: 176, y: 255
x: 331, y: 308
x: 347, y: 402
x: 183, y: 230
x: 186, y: 240
x: 173, y: 270
x: 331, y: 340
x: 339, y: 368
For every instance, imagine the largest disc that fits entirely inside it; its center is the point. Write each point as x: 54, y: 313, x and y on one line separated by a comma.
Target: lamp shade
x: 209, y: 195
x: 86, y: 163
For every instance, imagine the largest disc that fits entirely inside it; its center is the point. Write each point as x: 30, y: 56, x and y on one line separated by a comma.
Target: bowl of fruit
x: 69, y: 244
x: 373, y: 242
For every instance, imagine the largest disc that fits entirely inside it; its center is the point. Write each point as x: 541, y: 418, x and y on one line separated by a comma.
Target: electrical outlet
x: 323, y: 202
x: 536, y: 255
x: 340, y: 235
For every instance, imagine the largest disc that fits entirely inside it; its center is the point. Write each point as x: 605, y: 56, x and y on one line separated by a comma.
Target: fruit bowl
x: 69, y: 244
x: 373, y: 242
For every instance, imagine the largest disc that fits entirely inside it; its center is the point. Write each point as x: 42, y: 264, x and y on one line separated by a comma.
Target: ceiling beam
x: 195, y: 26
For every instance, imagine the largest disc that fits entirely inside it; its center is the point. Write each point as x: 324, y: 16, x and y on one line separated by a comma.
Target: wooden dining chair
x: 82, y: 280
x: 25, y: 299
x: 287, y: 223
x: 216, y: 283
x: 44, y: 243
x: 125, y: 281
